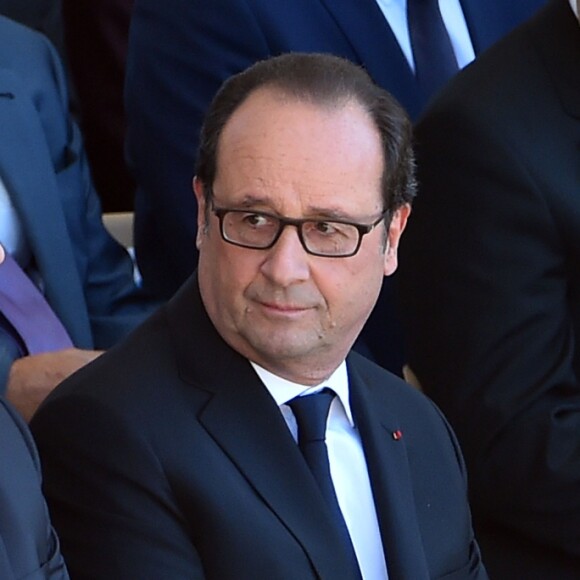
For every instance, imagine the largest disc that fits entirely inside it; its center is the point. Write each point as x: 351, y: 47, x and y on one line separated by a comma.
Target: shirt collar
x: 574, y: 7
x: 283, y: 390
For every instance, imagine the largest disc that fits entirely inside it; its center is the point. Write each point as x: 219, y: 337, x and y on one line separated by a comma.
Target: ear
x: 396, y: 228
x: 201, y: 211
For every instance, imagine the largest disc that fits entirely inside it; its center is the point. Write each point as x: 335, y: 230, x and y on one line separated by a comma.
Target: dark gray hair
x: 328, y: 81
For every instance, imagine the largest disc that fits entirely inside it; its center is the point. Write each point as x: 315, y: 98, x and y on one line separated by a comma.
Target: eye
x: 256, y: 220
x: 330, y: 229
x: 326, y: 228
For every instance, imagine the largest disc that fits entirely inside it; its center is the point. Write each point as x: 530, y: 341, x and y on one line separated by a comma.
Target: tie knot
x: 311, y: 412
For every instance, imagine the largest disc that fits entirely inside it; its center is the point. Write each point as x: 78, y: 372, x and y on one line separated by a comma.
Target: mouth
x: 280, y: 309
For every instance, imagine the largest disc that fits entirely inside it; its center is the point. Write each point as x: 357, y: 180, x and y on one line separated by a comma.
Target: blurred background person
x: 66, y: 287
x: 490, y: 289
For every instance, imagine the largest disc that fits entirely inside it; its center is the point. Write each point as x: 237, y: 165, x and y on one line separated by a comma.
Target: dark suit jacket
x: 180, y: 53
x: 28, y: 545
x: 88, y: 277
x: 490, y: 286
x: 179, y: 464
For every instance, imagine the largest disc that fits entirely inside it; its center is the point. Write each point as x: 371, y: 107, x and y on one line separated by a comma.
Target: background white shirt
x: 395, y: 11
x: 11, y: 233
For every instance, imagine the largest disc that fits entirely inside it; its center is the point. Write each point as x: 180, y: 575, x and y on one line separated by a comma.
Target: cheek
x: 353, y: 285
x: 223, y: 288
x: 237, y: 270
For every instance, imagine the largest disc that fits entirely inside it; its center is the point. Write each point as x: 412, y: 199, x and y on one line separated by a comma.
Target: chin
x: 287, y: 345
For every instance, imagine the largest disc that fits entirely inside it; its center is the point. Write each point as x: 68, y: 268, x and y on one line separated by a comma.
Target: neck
x: 303, y: 371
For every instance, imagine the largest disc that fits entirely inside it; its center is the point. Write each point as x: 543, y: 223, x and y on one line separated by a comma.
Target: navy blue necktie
x: 311, y: 412
x: 435, y: 61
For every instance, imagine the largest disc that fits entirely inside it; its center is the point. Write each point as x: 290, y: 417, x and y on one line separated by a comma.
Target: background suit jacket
x: 179, y: 464
x: 87, y: 276
x: 181, y: 51
x: 490, y: 284
x: 28, y: 545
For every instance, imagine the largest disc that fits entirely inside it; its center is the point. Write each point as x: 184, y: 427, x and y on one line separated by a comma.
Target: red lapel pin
x: 397, y: 435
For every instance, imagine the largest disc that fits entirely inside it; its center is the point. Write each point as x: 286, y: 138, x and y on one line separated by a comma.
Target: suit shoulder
x: 29, y: 56
x: 380, y: 380
x: 20, y: 43
x: 404, y: 401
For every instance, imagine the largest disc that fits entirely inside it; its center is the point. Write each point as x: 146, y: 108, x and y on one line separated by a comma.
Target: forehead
x: 289, y: 152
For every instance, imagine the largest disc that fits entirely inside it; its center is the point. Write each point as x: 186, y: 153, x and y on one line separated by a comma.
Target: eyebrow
x: 313, y: 212
x: 332, y: 213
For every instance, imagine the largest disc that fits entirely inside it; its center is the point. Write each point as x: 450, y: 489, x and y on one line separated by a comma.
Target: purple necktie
x: 25, y: 308
x: 435, y: 61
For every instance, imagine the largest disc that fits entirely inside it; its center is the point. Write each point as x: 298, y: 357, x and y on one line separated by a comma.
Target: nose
x: 287, y: 262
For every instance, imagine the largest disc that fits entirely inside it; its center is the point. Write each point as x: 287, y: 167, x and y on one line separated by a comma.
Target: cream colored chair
x: 411, y: 378
x: 120, y: 226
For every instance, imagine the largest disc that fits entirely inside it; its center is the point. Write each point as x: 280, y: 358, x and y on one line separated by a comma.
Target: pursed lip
x: 283, y: 309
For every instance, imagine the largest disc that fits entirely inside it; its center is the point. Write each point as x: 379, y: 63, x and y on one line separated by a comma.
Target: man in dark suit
x: 28, y: 544
x: 491, y: 289
x: 180, y: 52
x: 181, y: 458
x: 51, y: 221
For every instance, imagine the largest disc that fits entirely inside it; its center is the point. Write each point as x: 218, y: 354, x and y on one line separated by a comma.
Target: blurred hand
x: 33, y: 377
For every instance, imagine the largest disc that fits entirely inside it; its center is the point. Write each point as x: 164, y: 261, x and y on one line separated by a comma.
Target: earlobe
x: 198, y: 189
x: 390, y: 261
x: 198, y: 238
x: 396, y: 228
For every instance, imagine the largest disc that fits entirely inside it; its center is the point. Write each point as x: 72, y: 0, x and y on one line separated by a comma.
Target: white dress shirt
x: 395, y: 12
x: 348, y: 466
x: 574, y: 6
x: 11, y: 233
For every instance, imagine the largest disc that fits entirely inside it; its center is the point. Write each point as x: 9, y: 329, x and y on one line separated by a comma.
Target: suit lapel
x: 391, y: 483
x: 372, y: 40
x: 28, y: 175
x: 244, y: 420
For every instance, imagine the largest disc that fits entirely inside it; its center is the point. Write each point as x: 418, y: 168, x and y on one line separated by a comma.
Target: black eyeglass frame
x: 363, y: 229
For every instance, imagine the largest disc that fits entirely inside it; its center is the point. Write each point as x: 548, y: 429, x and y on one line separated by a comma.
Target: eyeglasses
x: 259, y: 230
